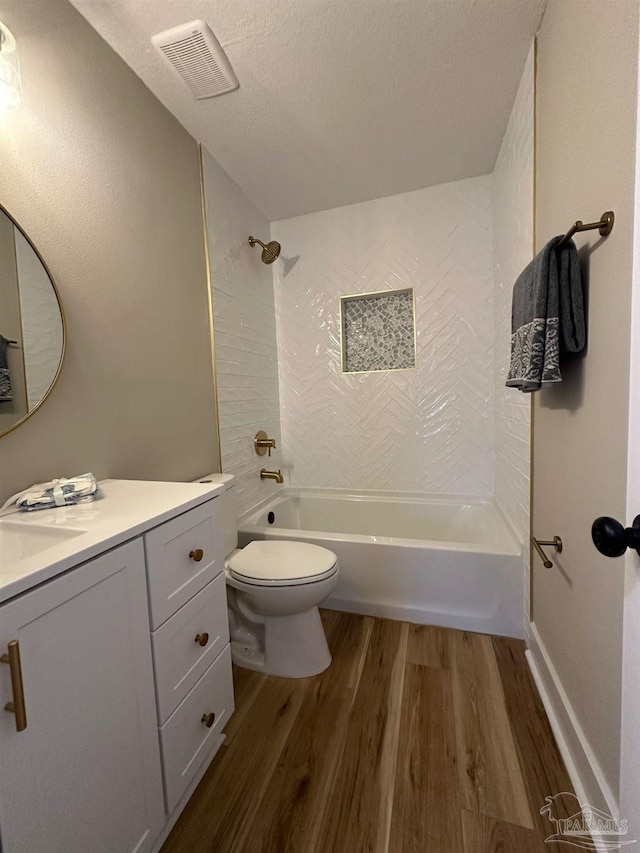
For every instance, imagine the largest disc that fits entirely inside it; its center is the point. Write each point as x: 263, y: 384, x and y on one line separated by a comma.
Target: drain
x: 271, y: 517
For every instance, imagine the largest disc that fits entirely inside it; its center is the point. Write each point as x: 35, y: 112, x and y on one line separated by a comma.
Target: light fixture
x: 10, y: 88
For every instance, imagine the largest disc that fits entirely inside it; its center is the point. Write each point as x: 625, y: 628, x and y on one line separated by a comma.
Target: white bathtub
x: 432, y: 561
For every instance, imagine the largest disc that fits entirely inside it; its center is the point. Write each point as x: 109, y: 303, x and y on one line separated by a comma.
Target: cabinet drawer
x: 179, y: 659
x: 173, y: 575
x: 185, y: 738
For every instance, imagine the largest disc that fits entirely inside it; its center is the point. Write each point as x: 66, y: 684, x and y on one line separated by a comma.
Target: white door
x: 84, y: 776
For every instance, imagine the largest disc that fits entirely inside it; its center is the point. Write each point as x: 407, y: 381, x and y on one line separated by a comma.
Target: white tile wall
x: 513, y: 249
x: 430, y: 429
x: 244, y: 333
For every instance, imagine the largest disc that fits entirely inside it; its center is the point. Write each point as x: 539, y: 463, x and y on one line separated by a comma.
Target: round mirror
x: 32, y: 333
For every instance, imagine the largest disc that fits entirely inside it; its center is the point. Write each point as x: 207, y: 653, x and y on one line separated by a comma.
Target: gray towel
x: 6, y: 394
x: 547, y: 317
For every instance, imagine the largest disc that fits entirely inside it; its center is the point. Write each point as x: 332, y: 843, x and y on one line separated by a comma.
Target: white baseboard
x: 582, y: 766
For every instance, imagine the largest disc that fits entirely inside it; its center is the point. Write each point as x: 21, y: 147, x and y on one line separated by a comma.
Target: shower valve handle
x: 263, y: 443
x: 612, y: 539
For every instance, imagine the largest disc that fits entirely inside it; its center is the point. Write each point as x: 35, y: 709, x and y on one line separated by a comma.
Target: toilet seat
x: 276, y: 562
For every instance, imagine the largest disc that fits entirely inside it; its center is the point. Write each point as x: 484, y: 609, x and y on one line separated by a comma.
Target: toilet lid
x: 276, y: 561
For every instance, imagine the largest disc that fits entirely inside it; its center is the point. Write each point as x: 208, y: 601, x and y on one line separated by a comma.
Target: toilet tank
x: 229, y: 508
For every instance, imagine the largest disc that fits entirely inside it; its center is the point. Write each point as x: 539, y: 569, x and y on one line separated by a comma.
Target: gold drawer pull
x: 202, y: 639
x: 208, y: 719
x: 16, y: 707
x: 196, y: 555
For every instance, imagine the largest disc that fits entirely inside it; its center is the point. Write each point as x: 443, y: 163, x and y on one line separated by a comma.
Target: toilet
x: 274, y: 588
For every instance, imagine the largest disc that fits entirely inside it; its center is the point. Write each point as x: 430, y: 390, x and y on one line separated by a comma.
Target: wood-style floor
x: 415, y: 740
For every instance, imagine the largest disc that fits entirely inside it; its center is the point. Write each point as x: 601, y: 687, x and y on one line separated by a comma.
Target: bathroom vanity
x: 119, y: 611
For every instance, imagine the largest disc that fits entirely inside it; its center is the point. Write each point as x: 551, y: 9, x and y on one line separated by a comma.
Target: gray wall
x: 585, y: 164
x: 107, y: 185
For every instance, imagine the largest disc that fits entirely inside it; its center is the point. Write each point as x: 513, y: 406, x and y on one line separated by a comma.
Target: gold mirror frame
x: 17, y: 225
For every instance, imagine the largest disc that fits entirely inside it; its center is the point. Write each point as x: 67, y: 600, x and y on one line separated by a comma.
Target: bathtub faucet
x: 271, y: 475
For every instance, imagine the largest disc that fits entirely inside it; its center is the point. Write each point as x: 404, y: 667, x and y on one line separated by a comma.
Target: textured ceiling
x: 339, y: 102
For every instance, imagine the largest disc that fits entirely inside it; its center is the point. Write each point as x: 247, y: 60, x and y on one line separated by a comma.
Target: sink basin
x: 22, y: 539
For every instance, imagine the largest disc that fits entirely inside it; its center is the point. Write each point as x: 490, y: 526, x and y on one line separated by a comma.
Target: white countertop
x: 123, y: 509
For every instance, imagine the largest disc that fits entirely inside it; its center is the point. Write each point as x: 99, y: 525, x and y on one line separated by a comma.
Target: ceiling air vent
x: 195, y: 54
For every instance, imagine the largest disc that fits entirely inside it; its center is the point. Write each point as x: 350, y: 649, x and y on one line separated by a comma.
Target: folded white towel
x: 61, y: 492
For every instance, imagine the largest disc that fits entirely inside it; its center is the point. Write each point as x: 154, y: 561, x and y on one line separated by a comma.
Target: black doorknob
x: 612, y: 539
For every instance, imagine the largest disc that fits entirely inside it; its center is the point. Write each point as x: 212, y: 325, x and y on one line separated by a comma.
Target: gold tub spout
x: 271, y: 475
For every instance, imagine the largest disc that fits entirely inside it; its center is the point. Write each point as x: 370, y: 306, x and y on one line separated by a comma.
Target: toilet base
x: 294, y: 646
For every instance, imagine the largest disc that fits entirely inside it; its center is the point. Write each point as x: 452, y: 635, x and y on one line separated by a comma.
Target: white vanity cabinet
x: 123, y: 637
x: 85, y: 773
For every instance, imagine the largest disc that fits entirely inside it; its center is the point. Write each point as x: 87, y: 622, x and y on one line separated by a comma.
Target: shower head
x: 270, y: 251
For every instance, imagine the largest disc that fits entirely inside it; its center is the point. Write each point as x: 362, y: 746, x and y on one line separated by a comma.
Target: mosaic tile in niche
x: 378, y: 331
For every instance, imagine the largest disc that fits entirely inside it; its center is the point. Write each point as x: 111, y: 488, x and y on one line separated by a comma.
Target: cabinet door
x: 85, y: 773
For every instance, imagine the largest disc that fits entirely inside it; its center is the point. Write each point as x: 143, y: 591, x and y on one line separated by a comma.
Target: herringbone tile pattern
x: 429, y: 429
x: 513, y: 249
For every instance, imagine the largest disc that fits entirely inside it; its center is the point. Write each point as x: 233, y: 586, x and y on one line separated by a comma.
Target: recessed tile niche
x: 378, y: 331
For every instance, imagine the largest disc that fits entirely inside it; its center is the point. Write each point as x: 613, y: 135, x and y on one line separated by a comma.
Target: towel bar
x: 604, y: 226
